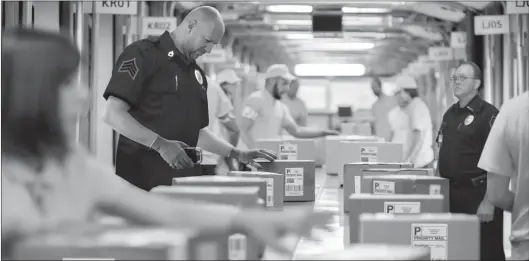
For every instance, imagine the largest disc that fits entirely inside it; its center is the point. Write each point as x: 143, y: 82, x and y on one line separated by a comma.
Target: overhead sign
x: 216, y: 55
x: 157, y: 25
x: 517, y: 7
x: 440, y: 53
x: 117, y: 7
x: 491, y: 24
x: 458, y: 39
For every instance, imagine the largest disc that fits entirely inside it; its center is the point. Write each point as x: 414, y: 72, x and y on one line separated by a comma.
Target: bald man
x: 157, y: 102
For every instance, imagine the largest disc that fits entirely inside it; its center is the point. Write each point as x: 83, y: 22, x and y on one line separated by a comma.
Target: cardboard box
x: 300, y: 178
x: 350, y: 152
x: 408, y: 184
x: 352, y: 179
x: 392, y: 204
x: 275, y: 186
x: 125, y: 244
x: 289, y: 149
x: 240, y: 246
x: 370, y: 252
x: 450, y: 236
x: 223, y: 181
x: 332, y: 146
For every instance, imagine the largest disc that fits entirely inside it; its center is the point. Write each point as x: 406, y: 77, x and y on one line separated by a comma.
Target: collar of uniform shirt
x: 167, y: 45
x: 475, y: 105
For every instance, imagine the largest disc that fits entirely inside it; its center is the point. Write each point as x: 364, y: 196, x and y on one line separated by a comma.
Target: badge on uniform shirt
x: 469, y: 119
x: 491, y: 122
x: 176, y: 82
x: 198, y: 75
x: 130, y: 67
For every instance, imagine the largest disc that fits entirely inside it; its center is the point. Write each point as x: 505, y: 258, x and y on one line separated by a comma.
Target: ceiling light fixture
x: 322, y: 70
x: 347, y: 21
x: 289, y: 8
x: 298, y: 36
x: 349, y: 10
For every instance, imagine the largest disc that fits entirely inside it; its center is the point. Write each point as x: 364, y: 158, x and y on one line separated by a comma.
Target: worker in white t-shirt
x: 420, y: 151
x: 399, y: 124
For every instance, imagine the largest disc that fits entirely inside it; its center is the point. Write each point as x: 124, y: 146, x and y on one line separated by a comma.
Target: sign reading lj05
x: 491, y: 24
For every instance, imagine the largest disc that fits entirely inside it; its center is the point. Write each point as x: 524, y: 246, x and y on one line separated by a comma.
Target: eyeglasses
x: 455, y: 79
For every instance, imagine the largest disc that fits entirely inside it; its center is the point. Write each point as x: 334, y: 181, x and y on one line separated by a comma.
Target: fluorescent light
x: 310, y: 69
x: 295, y: 36
x: 289, y: 8
x: 347, y: 9
x: 337, y: 46
x: 293, y: 22
x: 347, y: 21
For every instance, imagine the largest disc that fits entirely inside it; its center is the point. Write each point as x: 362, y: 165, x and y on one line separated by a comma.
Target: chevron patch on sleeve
x: 130, y: 67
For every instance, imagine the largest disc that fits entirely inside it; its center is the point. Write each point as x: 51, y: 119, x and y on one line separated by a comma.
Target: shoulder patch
x: 492, y: 119
x: 130, y: 67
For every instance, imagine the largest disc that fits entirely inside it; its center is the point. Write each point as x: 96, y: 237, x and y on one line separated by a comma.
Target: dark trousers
x: 466, y: 199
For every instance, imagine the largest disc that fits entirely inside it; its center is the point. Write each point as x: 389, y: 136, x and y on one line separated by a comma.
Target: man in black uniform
x: 462, y: 136
x: 157, y: 102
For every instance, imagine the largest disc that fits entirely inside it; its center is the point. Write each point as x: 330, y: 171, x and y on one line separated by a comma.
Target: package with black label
x: 124, y: 244
x: 351, y: 152
x: 407, y: 184
x: 289, y: 148
x: 369, y: 252
x: 275, y: 186
x: 449, y: 236
x: 332, y: 146
x: 223, y: 181
x: 300, y: 178
x: 352, y: 182
x: 391, y: 204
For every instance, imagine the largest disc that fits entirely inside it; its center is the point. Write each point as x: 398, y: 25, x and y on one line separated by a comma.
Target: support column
x: 507, y: 67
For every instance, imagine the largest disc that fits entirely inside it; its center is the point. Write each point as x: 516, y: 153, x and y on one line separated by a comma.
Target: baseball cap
x: 406, y: 82
x: 279, y: 70
x: 228, y: 76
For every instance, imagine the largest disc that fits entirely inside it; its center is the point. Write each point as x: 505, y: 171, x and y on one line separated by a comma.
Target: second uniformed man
x: 464, y: 131
x: 157, y: 102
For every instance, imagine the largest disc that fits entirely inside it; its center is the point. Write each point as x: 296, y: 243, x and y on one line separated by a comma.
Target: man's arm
x: 304, y: 115
x: 250, y: 113
x: 210, y: 142
x: 300, y: 132
x: 230, y: 124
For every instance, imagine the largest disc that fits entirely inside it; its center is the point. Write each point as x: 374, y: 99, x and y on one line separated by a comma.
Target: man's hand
x: 485, y: 211
x: 172, y: 151
x: 330, y: 133
x: 248, y: 156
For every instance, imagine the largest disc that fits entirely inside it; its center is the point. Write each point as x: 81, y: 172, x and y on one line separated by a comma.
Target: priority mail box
x: 349, y: 152
x: 275, y: 186
x: 332, y: 146
x: 449, y: 236
x: 125, y: 244
x: 352, y: 179
x: 300, y: 178
x: 370, y: 252
x: 289, y: 149
x: 407, y: 184
x: 240, y: 247
x: 391, y: 204
x: 223, y: 181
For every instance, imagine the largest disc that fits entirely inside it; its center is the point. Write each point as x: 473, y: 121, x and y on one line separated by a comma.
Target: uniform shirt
x: 399, y: 123
x: 380, y: 110
x: 462, y: 137
x: 270, y: 115
x: 297, y: 108
x: 420, y: 119
x: 167, y: 94
x: 506, y: 153
x: 219, y: 105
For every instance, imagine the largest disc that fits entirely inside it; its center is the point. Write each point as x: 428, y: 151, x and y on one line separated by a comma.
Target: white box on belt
x: 332, y: 147
x: 275, y: 186
x: 407, y: 184
x: 223, y: 181
x: 352, y: 179
x: 393, y: 204
x: 289, y: 149
x: 367, y: 152
x: 240, y: 247
x: 371, y: 252
x: 124, y: 244
x: 449, y: 236
x: 300, y: 178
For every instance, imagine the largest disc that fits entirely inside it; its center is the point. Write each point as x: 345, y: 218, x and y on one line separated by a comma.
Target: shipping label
x: 402, y: 207
x: 293, y: 182
x: 236, y: 247
x: 383, y: 187
x: 434, y: 236
x: 288, y: 151
x: 368, y: 154
x: 269, y: 192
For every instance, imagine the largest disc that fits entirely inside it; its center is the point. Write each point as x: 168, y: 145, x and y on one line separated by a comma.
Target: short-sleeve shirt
x: 400, y: 126
x: 462, y: 137
x: 270, y: 116
x: 506, y: 153
x: 219, y: 105
x: 420, y: 120
x: 167, y: 93
x: 297, y: 108
x: 382, y: 106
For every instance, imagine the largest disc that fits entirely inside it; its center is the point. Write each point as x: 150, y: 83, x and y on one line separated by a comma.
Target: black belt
x: 468, y: 182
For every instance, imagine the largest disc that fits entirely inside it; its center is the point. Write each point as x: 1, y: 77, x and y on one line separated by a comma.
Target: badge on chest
x: 198, y: 75
x: 469, y: 119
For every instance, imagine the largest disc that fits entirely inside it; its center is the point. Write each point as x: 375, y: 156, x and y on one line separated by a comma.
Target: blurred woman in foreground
x: 47, y: 181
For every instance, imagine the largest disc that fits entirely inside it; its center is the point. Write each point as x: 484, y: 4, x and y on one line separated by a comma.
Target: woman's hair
x: 35, y: 64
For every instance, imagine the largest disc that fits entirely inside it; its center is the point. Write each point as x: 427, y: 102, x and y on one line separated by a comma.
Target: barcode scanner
x: 195, y: 154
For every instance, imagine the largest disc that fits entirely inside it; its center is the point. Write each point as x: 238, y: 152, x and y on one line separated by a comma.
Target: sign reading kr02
x: 157, y: 25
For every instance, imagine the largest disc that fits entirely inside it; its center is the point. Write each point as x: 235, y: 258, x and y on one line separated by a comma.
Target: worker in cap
x: 297, y: 107
x: 420, y: 150
x: 380, y: 110
x: 264, y: 116
x: 229, y: 82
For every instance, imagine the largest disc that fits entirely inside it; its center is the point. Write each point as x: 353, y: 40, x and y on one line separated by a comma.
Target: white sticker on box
x: 434, y: 236
x: 402, y: 207
x: 288, y: 151
x: 293, y: 182
x: 435, y: 189
x: 269, y: 192
x: 368, y: 154
x: 358, y: 184
x: 383, y: 187
x: 236, y: 247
